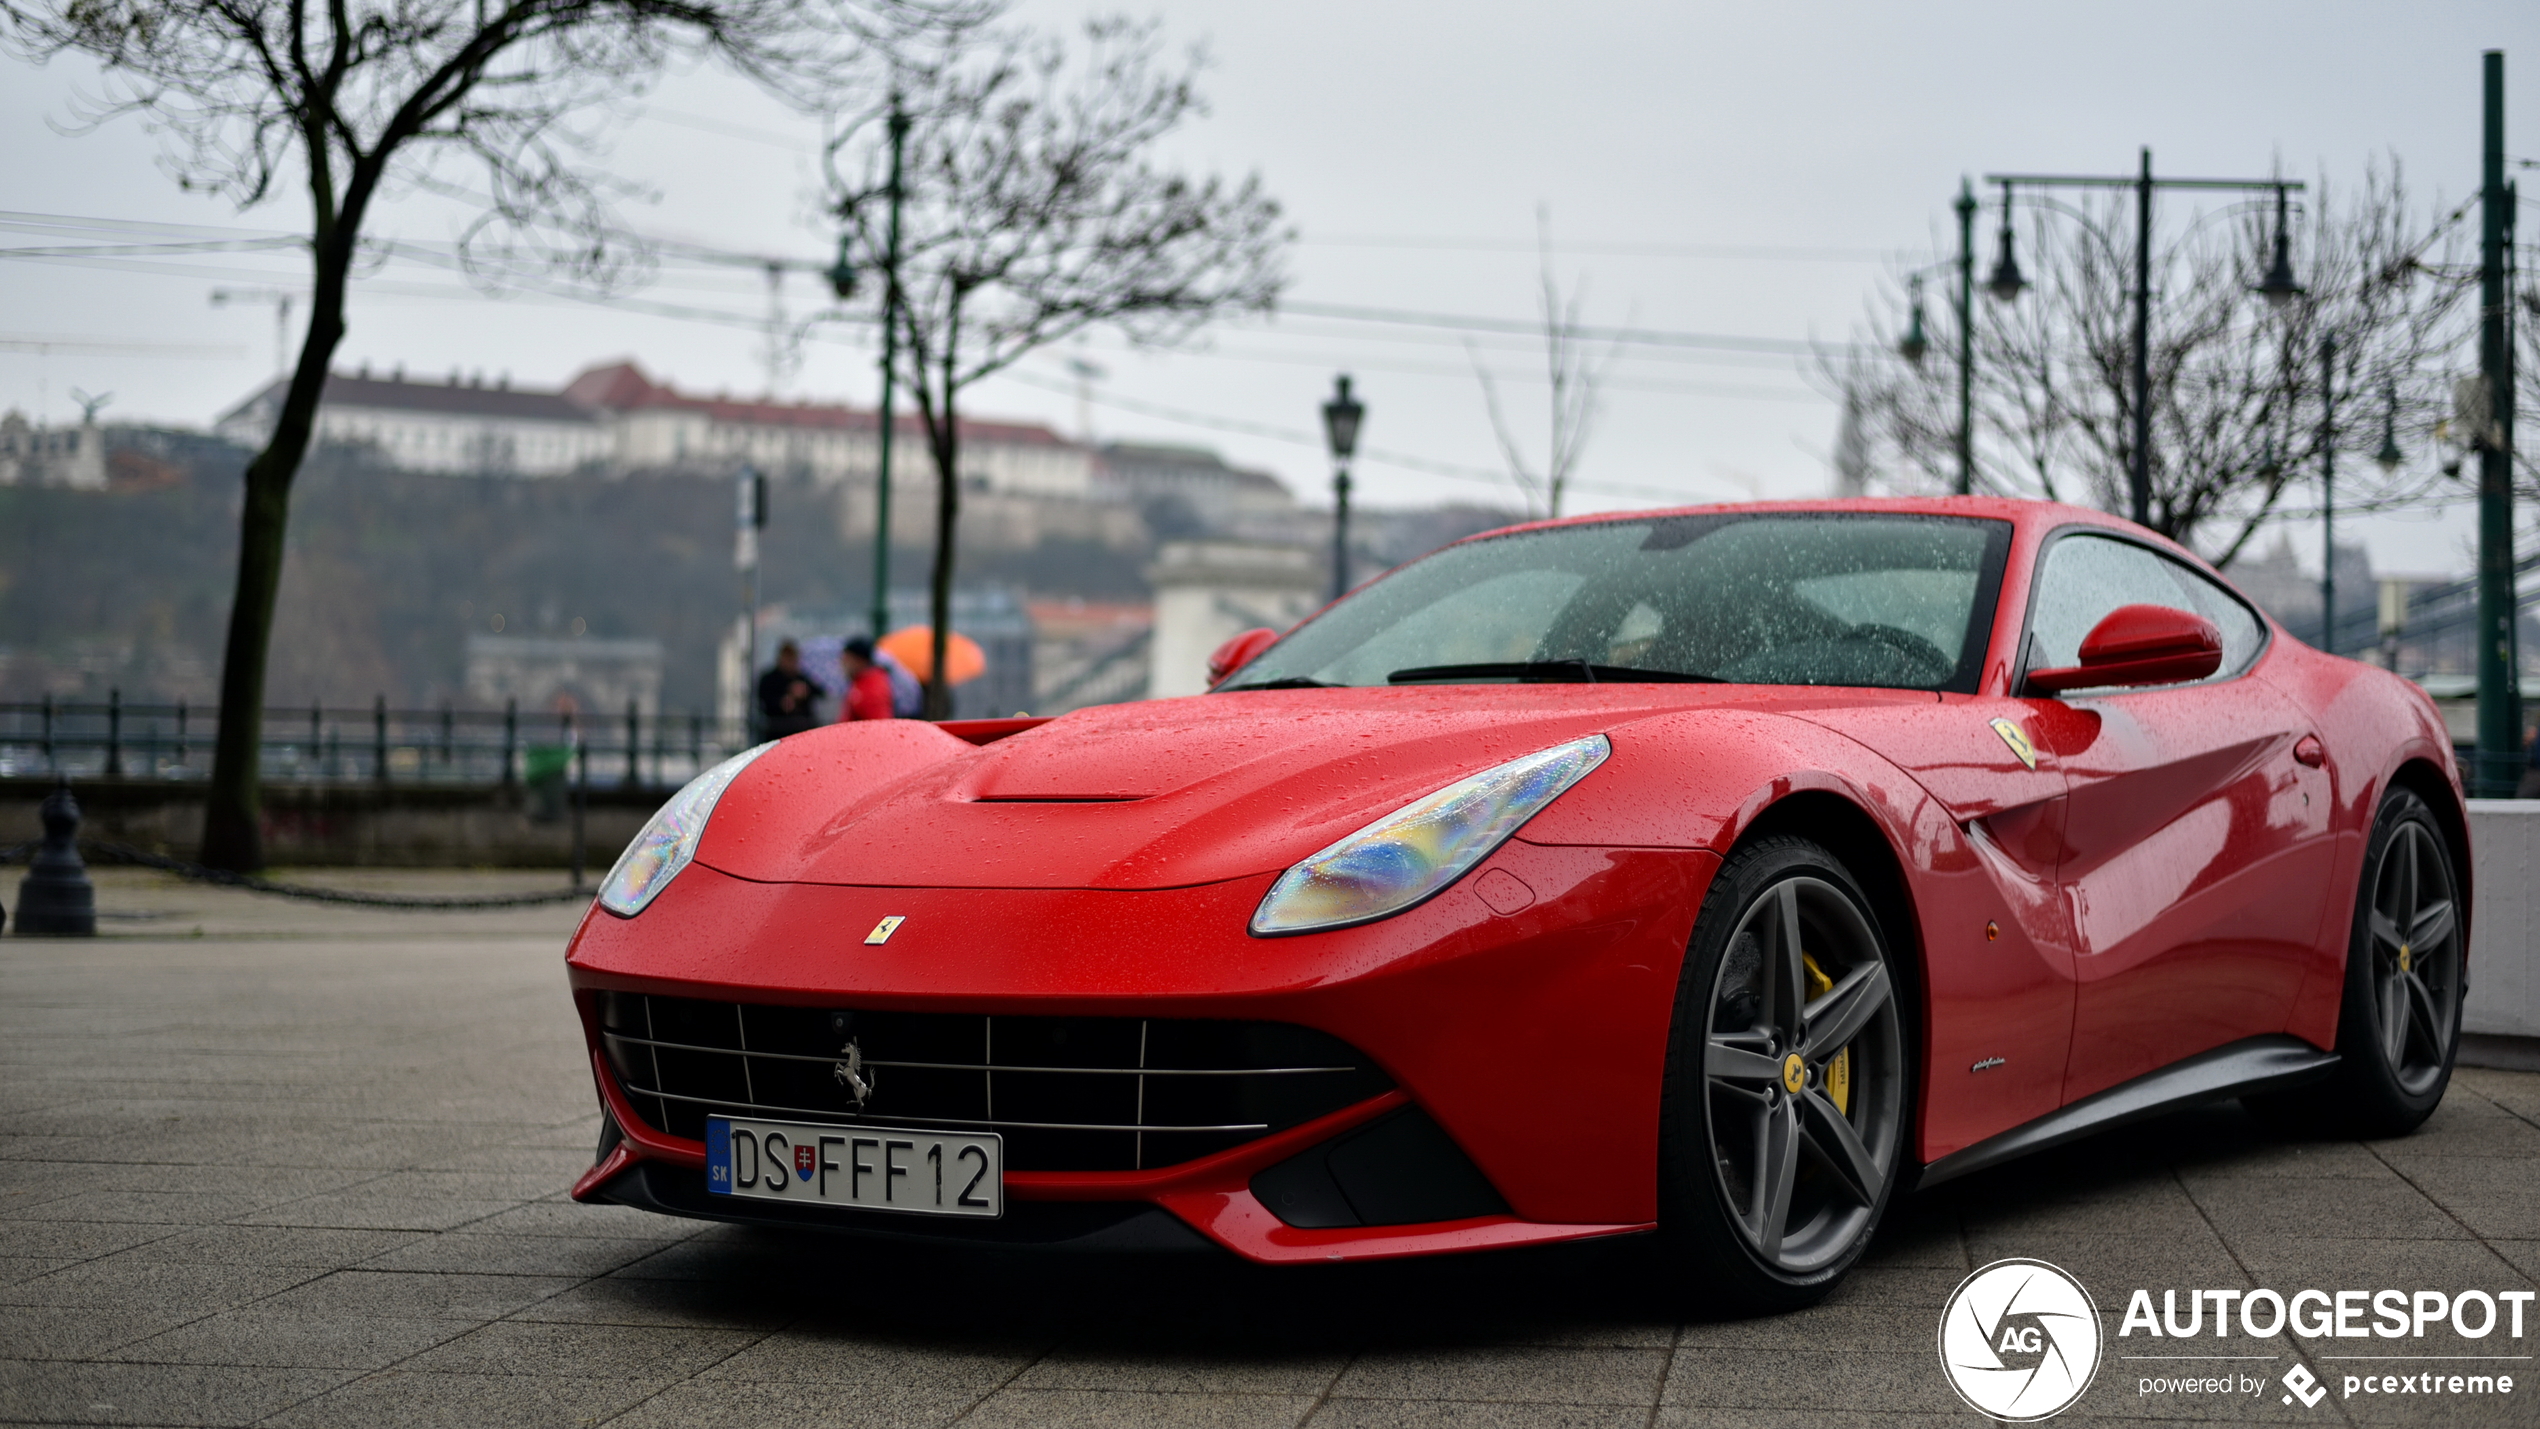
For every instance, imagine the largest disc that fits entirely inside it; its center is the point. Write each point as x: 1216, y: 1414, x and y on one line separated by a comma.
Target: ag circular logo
x: 2020, y: 1340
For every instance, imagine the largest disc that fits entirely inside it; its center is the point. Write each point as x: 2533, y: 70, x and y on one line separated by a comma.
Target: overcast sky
x: 1768, y: 161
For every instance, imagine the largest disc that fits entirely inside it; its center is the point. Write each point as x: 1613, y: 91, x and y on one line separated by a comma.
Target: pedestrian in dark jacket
x: 788, y: 701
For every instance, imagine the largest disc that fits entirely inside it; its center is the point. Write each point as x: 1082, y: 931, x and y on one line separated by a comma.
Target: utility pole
x: 2328, y: 491
x: 2499, y: 683
x: 1966, y: 338
x: 2139, y: 477
x: 890, y: 372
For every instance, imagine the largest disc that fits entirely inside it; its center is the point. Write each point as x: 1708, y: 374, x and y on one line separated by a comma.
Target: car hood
x: 1159, y: 794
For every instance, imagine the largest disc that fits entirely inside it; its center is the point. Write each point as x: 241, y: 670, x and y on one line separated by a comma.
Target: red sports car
x: 1713, y: 873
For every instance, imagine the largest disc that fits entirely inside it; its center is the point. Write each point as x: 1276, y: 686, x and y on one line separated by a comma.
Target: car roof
x: 1998, y: 508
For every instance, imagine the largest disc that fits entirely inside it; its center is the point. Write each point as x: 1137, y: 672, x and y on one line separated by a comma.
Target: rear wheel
x: 2399, y: 1024
x: 1787, y: 1095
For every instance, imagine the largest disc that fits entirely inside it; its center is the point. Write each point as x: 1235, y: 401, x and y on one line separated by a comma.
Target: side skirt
x: 2259, y: 1064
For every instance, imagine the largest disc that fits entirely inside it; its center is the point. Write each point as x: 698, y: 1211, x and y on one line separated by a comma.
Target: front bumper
x: 1532, y: 1027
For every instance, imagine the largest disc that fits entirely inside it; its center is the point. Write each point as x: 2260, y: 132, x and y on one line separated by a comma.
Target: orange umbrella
x: 914, y: 645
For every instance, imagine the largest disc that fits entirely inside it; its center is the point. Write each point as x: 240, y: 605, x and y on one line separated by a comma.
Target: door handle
x: 2309, y: 751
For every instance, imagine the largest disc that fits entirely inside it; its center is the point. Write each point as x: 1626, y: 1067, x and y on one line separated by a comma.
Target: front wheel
x: 1788, y: 1090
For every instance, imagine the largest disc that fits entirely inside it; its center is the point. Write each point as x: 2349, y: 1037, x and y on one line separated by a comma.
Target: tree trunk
x: 233, y: 834
x: 947, y: 521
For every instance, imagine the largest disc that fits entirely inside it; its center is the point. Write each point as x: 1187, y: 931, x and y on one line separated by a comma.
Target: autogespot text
x: 2474, y: 1349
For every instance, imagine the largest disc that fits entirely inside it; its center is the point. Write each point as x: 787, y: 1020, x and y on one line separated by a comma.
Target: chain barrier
x: 108, y: 852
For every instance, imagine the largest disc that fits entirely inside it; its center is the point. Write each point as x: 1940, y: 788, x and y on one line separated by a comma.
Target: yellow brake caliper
x: 1838, y: 1067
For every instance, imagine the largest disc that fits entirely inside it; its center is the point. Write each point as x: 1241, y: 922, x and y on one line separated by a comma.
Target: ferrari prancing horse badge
x: 2017, y: 738
x: 883, y: 930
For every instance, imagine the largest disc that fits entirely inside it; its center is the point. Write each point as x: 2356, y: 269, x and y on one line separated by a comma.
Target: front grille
x: 1066, y: 1093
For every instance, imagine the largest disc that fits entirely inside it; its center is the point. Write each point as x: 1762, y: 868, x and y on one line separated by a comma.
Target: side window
x: 2242, y: 633
x: 2085, y: 577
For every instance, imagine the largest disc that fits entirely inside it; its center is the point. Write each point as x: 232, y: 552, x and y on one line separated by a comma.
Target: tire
x: 2399, y: 1017
x: 1788, y: 1097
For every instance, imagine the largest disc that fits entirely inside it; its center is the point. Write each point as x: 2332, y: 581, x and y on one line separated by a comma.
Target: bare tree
x: 1033, y: 210
x: 2235, y: 383
x: 1575, y: 375
x: 355, y: 99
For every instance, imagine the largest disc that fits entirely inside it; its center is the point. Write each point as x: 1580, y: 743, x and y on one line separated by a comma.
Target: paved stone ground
x: 268, y: 1163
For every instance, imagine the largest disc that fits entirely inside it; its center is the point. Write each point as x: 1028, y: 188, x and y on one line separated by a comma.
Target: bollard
x: 634, y: 744
x: 379, y: 738
x: 55, y: 899
x: 511, y: 737
x: 114, y: 733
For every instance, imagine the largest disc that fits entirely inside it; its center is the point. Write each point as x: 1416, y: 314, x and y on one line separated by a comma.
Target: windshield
x: 1796, y: 598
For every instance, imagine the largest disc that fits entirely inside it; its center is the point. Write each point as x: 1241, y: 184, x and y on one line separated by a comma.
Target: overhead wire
x: 1295, y: 436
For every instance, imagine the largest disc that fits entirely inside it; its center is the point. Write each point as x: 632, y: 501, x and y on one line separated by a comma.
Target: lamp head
x: 842, y: 274
x: 2006, y: 283
x: 1341, y: 416
x: 1914, y: 344
x: 2278, y: 287
x: 2389, y: 457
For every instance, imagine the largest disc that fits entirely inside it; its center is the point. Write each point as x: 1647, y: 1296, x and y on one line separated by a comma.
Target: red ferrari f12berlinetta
x: 1715, y: 874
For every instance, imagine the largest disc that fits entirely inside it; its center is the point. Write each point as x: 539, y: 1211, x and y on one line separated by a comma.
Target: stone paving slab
x: 269, y: 1163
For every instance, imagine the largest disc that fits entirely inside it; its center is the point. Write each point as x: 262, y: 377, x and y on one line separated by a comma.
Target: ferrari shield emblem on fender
x: 2012, y: 735
x: 883, y: 930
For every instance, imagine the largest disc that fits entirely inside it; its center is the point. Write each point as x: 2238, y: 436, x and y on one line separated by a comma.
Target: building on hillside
x: 458, y: 426
x: 658, y: 427
x: 615, y: 419
x: 51, y: 456
x: 1187, y: 490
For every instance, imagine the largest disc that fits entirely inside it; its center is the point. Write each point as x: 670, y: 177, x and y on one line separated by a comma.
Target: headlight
x: 1412, y: 853
x: 670, y: 840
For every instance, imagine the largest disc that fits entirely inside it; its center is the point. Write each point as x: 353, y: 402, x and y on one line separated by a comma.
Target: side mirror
x: 2139, y: 645
x: 1239, y: 652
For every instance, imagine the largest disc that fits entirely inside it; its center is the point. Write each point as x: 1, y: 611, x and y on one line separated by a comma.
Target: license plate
x: 927, y: 1173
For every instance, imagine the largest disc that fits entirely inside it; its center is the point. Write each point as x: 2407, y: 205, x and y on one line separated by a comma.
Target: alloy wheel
x: 2416, y: 956
x: 1803, y: 1075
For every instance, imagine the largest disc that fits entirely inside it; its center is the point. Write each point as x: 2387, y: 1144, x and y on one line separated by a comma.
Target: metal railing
x: 446, y: 747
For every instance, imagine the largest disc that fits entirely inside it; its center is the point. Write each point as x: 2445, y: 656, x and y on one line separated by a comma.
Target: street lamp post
x: 2499, y: 672
x: 1916, y: 343
x: 2277, y: 287
x: 2328, y: 491
x: 1341, y: 416
x: 1966, y: 207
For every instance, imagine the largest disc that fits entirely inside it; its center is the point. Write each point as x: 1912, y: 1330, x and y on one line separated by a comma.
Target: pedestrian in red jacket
x: 868, y: 684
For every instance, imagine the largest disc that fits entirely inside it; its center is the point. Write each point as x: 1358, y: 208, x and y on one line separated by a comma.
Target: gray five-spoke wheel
x: 2416, y: 956
x: 1803, y: 1074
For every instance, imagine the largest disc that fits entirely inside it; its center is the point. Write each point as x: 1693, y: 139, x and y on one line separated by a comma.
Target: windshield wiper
x: 1545, y: 672
x: 1288, y: 682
